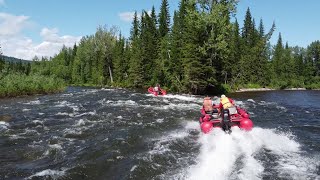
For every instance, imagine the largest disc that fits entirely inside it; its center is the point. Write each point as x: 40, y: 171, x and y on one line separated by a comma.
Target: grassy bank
x: 256, y: 87
x: 13, y: 85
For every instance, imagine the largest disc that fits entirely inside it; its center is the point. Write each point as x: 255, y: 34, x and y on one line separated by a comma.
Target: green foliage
x: 164, y: 19
x: 135, y: 70
x: 20, y: 84
x: 226, y: 88
x: 251, y: 85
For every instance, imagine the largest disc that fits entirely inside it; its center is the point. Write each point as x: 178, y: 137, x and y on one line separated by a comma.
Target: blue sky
x: 38, y: 27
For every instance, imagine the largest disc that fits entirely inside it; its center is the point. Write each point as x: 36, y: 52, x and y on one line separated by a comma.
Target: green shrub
x: 313, y: 86
x: 252, y: 85
x: 20, y: 84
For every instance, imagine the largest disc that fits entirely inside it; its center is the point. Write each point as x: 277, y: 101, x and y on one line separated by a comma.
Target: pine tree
x: 149, y: 46
x: 261, y: 29
x: 119, y: 60
x: 278, y: 63
x: 235, y: 56
x: 195, y: 78
x: 314, y: 56
x: 2, y: 62
x: 135, y: 64
x: 164, y: 19
x: 247, y: 30
x: 162, y: 74
x: 298, y: 56
x: 154, y: 19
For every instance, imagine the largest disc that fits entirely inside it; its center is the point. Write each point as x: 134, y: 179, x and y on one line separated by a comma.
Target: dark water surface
x: 87, y: 133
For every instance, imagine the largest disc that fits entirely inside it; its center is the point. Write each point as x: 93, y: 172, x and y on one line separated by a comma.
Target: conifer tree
x: 2, y: 63
x: 247, y: 30
x: 135, y: 65
x: 119, y: 60
x: 277, y: 61
x: 149, y: 46
x: 195, y: 78
x: 235, y: 55
x: 175, y: 64
x: 164, y: 19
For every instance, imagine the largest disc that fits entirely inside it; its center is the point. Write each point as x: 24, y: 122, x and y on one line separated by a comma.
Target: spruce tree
x: 247, y: 30
x: 118, y: 60
x: 2, y: 62
x: 277, y: 61
x: 136, y: 73
x: 175, y: 64
x: 195, y: 78
x: 164, y: 19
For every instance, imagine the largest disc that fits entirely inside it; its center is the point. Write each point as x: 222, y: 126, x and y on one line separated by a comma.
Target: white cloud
x: 14, y: 43
x: 11, y: 24
x: 128, y: 16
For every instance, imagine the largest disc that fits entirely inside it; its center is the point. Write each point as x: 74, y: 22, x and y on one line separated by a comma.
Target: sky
x: 31, y: 28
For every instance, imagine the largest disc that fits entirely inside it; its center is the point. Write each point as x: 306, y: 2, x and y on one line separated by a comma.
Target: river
x: 87, y: 133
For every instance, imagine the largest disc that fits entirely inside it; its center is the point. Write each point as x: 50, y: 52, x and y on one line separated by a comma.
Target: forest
x: 203, y: 51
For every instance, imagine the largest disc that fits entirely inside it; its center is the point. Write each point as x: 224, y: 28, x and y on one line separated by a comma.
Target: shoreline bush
x: 13, y: 85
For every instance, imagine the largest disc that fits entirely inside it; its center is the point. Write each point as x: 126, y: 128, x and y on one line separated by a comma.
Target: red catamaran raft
x: 225, y: 121
x: 162, y: 92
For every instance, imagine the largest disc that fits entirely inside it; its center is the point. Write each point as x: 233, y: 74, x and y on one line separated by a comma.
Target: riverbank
x: 270, y: 89
x: 254, y: 89
x: 13, y: 85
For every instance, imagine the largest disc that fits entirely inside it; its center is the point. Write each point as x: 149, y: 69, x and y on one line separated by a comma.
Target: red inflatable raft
x: 222, y: 120
x: 161, y: 91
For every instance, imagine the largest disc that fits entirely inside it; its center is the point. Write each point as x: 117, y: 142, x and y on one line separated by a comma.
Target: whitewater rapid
x: 143, y: 136
x: 242, y: 155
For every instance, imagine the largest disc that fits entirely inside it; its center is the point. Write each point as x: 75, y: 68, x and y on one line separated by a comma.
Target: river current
x: 87, y: 133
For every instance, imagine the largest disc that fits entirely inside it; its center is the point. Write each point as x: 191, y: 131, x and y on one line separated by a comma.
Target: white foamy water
x: 163, y: 143
x: 55, y: 146
x: 251, y: 100
x: 33, y: 102
x: 181, y: 106
x: 86, y: 113
x: 3, y: 125
x: 223, y: 156
x: 81, y: 122
x: 48, y: 172
x: 90, y: 91
x: 104, y: 89
x: 65, y: 114
x: 118, y: 103
x: 159, y: 120
x: 184, y: 97
x: 67, y: 104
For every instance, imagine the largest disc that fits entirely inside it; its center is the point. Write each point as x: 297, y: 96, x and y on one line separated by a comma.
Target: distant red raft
x: 225, y: 121
x: 162, y: 92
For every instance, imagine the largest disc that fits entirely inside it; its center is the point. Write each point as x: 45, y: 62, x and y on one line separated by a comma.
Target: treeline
x: 202, y: 50
x: 8, y: 67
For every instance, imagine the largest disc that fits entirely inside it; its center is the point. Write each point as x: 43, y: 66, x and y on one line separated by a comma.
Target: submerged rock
x: 5, y: 118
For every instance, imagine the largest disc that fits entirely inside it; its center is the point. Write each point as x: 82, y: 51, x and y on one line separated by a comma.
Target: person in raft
x: 227, y: 104
x: 208, y: 106
x: 157, y: 89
